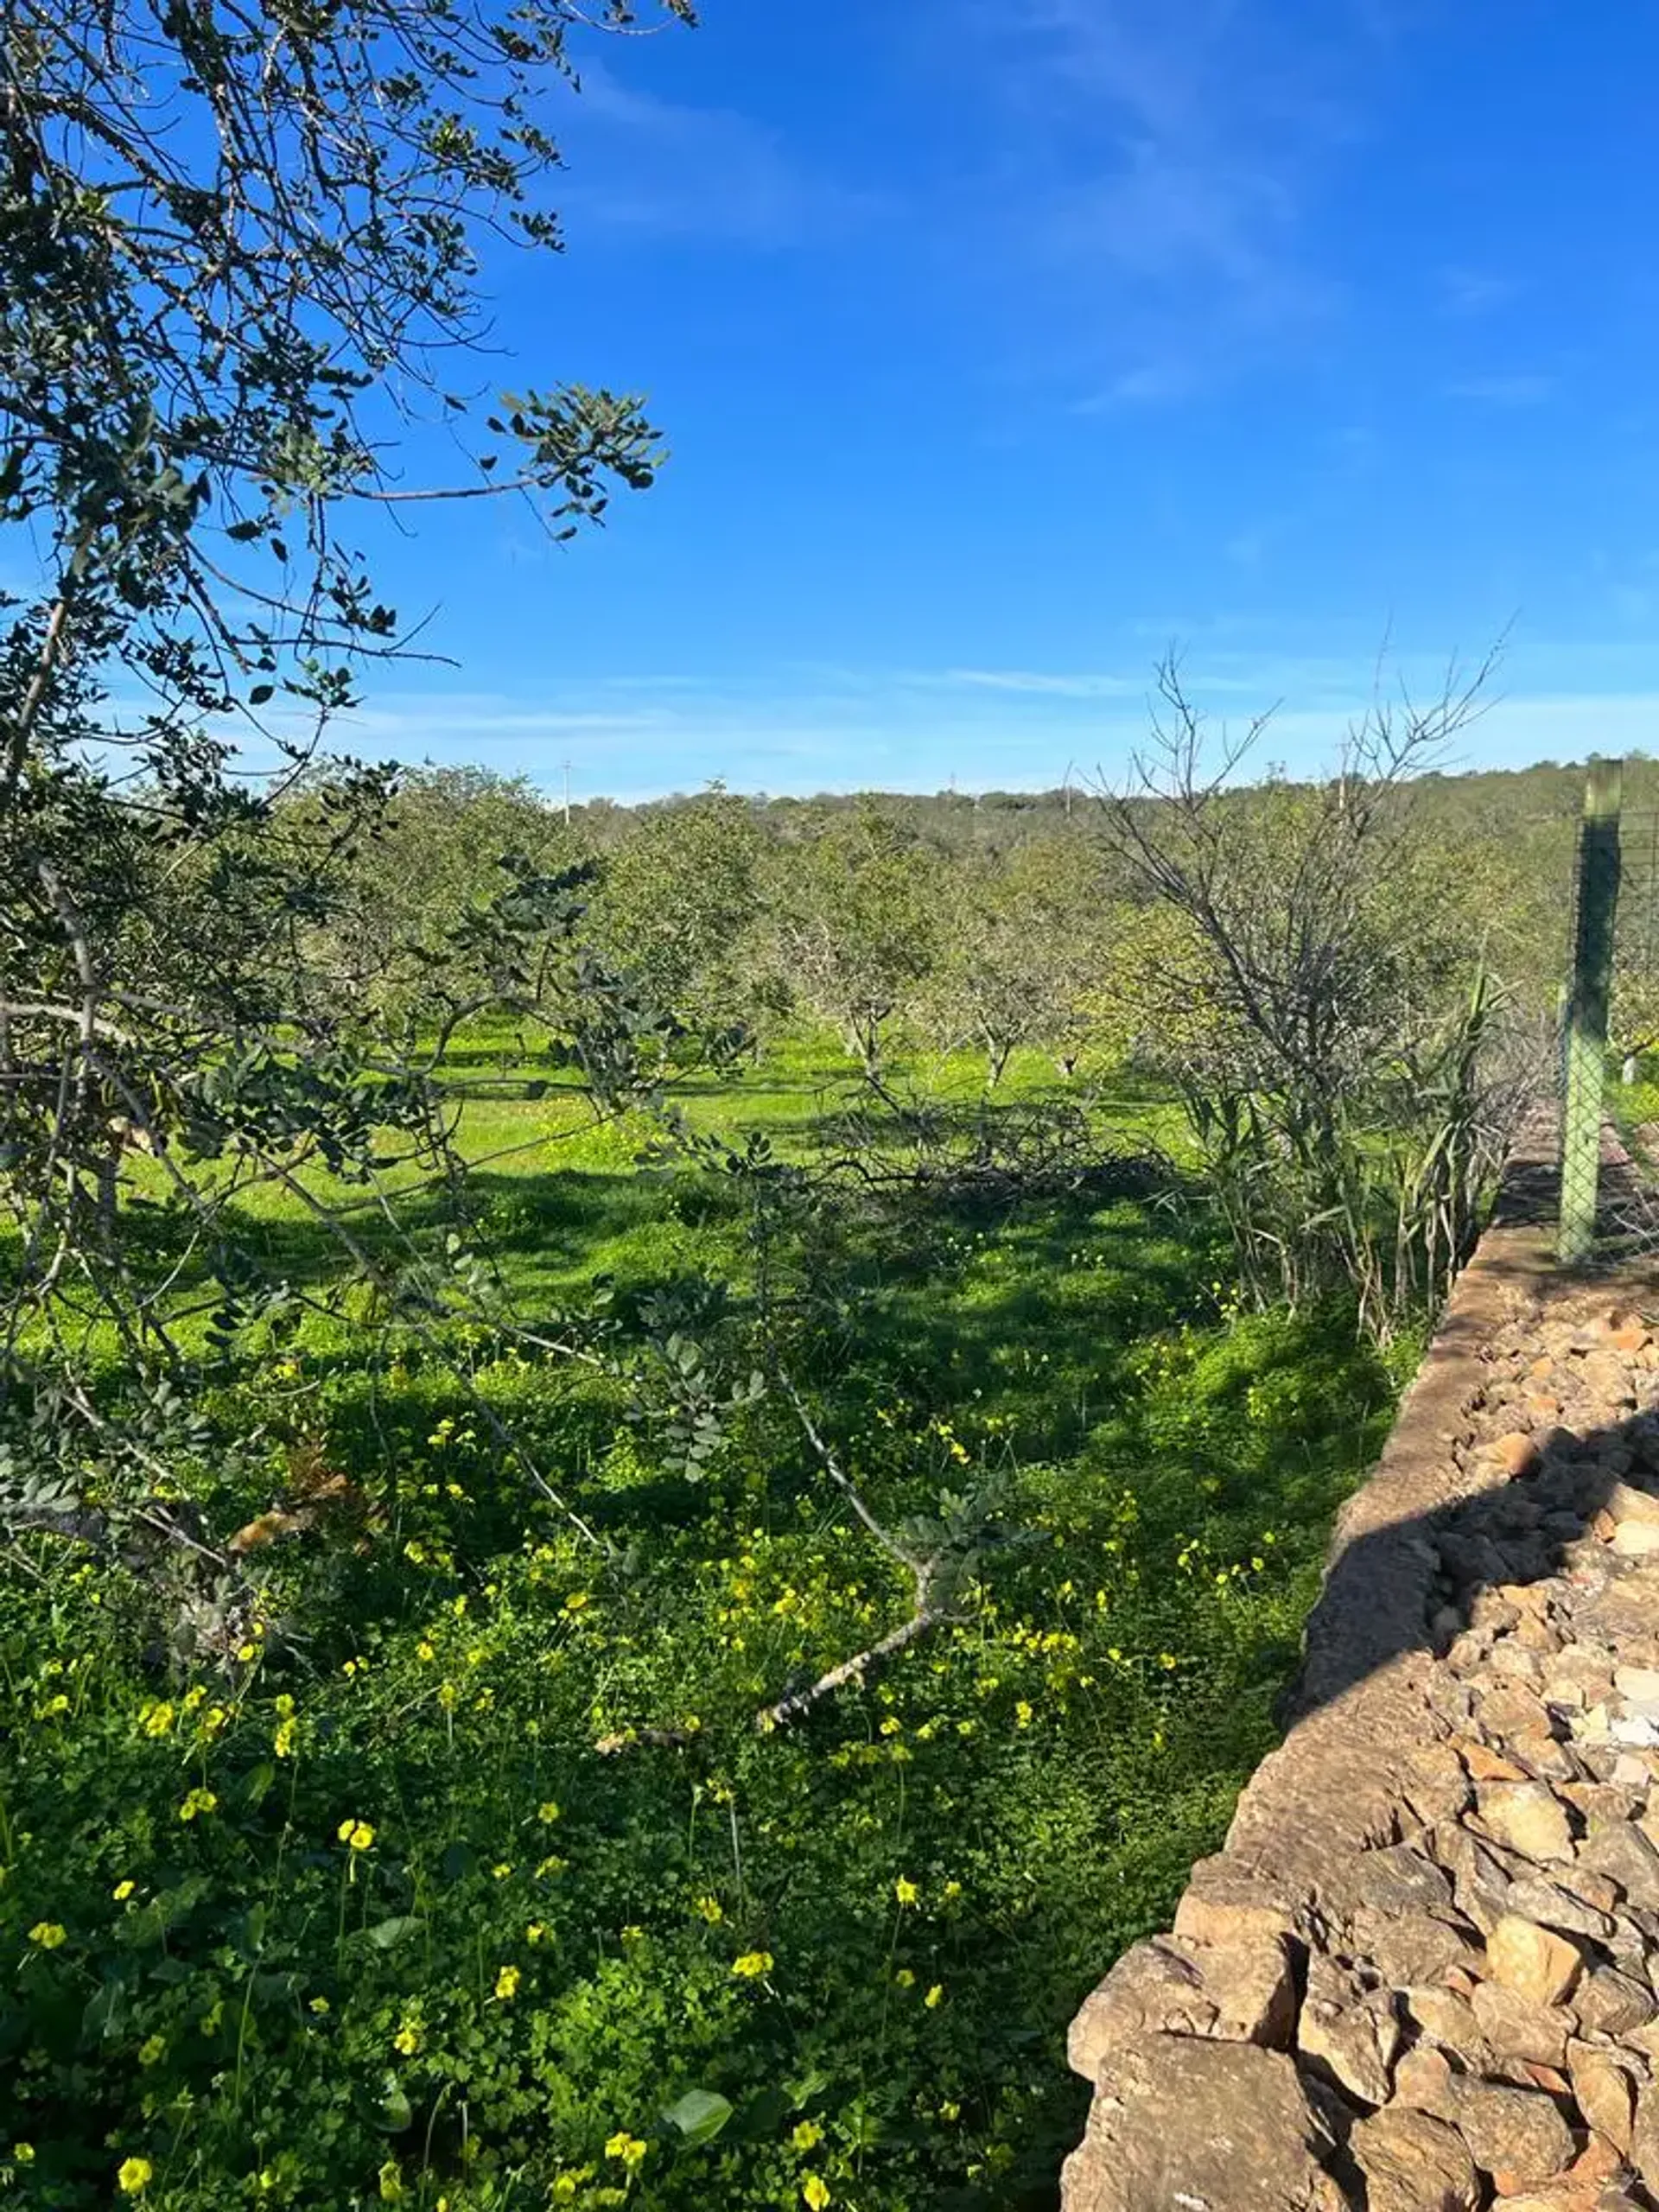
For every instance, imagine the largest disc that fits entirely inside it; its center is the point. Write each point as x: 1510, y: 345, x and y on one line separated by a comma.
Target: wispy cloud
x: 1515, y: 389
x: 1171, y: 153
x: 1470, y: 292
x: 667, y: 169
x: 1035, y: 684
x: 789, y: 729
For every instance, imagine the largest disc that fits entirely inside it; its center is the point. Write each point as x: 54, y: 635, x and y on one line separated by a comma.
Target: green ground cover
x: 468, y: 1879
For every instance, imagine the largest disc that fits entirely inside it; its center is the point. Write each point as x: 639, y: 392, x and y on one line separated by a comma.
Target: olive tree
x: 679, y: 899
x: 1023, y: 945
x: 855, y: 915
x: 239, y: 256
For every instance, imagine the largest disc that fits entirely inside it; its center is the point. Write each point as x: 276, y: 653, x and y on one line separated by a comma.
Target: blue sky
x: 1001, y: 343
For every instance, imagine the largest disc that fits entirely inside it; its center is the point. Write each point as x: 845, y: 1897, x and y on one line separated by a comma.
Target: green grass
x: 594, y: 1886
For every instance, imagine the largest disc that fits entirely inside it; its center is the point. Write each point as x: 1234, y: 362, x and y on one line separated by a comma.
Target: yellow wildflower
x: 628, y: 2148
x: 121, y: 1892
x: 198, y: 1801
x: 157, y: 1720
x: 753, y: 1965
x: 905, y: 1890
x: 407, y: 2039
x: 548, y: 1813
x: 47, y: 1934
x: 392, y: 2184
x: 711, y: 1910
x: 935, y: 1997
x: 816, y: 2191
x: 807, y: 2136
x: 506, y: 1983
x: 23, y: 2153
x: 134, y: 2177
x: 152, y: 2049
x: 535, y: 1932
x: 356, y: 1833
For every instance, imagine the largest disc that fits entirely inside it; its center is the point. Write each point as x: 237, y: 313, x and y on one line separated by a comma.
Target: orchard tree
x: 679, y: 900
x: 434, y: 857
x: 239, y: 260
x: 1023, y: 950
x: 856, y: 920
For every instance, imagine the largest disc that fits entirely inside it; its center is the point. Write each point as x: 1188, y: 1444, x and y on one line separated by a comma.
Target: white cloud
x: 664, y: 168
x: 1035, y: 684
x: 1171, y: 149
x: 1518, y: 389
x: 1472, y: 292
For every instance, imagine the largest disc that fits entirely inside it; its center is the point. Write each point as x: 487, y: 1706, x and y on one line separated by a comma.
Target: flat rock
x: 1414, y: 2162
x: 1602, y: 2092
x: 1526, y: 1817
x: 1644, y: 2138
x: 1556, y: 1905
x: 1183, y: 2120
x: 1346, y: 2035
x: 1533, y: 1963
x: 1517, y: 2132
x: 1514, y: 1452
x: 1511, y: 1708
x: 1625, y: 1502
x: 1516, y: 2028
x: 1401, y: 1880
x: 1542, y: 1757
x: 1622, y: 1851
x: 1635, y: 1539
x: 1223, y: 1905
x: 1415, y: 1946
x: 1612, y: 2003
x: 1424, y: 2081
x: 1448, y: 2019
x: 1484, y: 1764
x: 1436, y: 1786
x: 1241, y: 1992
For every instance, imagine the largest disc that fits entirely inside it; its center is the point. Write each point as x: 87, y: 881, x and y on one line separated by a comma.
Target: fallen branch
x: 800, y: 1702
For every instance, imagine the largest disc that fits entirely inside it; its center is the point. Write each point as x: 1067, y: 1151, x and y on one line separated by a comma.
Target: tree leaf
x: 699, y: 2114
x: 386, y: 1932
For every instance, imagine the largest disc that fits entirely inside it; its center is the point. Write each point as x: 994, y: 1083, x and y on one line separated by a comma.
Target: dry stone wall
x: 1421, y: 1975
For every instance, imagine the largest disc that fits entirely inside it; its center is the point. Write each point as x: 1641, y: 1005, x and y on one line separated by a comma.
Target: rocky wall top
x: 1421, y: 1976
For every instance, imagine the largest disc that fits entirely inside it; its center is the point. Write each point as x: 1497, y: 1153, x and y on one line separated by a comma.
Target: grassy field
x: 468, y: 1879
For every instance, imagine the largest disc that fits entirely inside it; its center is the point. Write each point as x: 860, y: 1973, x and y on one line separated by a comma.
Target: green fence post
x: 1587, y: 1013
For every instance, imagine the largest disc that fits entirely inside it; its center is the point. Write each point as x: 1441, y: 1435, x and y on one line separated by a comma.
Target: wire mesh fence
x: 1610, y: 1011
